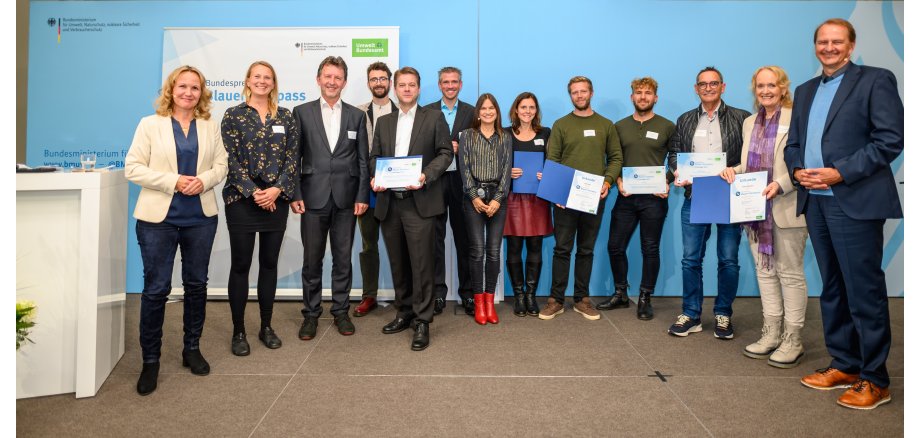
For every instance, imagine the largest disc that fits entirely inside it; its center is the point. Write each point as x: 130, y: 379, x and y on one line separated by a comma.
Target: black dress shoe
x: 617, y: 301
x: 147, y: 382
x: 269, y: 338
x: 644, y: 309
x: 439, y: 305
x: 344, y: 324
x: 469, y: 306
x: 238, y: 345
x: 194, y: 360
x: 397, y: 325
x: 308, y: 328
x: 420, y: 338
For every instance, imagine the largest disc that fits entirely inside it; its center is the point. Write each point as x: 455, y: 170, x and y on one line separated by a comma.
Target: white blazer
x: 151, y: 164
x: 784, y: 203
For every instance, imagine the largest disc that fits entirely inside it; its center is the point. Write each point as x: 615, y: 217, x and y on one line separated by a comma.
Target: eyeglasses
x: 712, y: 84
x: 383, y: 79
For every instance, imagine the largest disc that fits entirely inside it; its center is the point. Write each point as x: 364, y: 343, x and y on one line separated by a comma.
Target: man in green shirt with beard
x: 586, y: 141
x: 644, y: 136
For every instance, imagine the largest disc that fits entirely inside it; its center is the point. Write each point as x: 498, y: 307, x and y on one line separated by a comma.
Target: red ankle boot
x: 489, y: 299
x: 480, y: 313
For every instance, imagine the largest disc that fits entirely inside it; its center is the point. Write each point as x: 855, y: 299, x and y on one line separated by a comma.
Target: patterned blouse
x: 259, y: 155
x: 485, y: 161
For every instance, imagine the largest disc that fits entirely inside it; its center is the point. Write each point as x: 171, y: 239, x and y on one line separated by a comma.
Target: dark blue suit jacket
x: 864, y: 133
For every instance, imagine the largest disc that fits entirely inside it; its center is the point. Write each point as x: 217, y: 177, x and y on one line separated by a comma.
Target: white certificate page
x: 699, y: 164
x: 644, y: 180
x: 398, y: 172
x: 748, y: 204
x: 585, y: 193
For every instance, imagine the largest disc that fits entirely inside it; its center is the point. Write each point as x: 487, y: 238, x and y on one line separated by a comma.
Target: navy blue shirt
x: 185, y: 211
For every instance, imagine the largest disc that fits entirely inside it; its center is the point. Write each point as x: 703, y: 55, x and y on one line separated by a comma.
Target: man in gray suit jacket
x: 333, y: 190
x: 408, y: 215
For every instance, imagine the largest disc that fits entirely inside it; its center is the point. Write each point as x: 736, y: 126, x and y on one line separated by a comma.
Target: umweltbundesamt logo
x: 369, y: 47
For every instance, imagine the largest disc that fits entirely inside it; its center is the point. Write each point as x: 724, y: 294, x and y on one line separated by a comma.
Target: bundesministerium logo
x: 51, y: 22
x: 369, y: 47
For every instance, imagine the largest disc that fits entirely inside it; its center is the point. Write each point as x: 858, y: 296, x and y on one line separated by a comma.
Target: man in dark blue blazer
x: 847, y: 127
x: 334, y: 189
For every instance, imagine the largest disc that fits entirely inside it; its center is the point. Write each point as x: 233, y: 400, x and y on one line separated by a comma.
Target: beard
x: 640, y: 109
x: 582, y: 107
x: 380, y: 92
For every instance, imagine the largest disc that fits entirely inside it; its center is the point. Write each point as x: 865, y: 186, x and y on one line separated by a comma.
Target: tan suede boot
x: 790, y: 352
x: 769, y: 339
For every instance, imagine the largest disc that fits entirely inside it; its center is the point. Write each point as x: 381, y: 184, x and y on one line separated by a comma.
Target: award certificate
x: 585, y: 192
x: 644, y: 180
x: 699, y: 164
x: 397, y: 172
x: 748, y: 204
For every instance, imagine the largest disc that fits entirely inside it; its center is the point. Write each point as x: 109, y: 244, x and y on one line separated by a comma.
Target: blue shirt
x: 185, y: 211
x: 450, y: 114
x: 817, y: 118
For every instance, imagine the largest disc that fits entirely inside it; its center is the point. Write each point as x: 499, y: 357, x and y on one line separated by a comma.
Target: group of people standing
x: 827, y: 160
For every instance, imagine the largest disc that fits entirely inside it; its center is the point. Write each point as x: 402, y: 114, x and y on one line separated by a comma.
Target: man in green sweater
x: 588, y: 142
x: 644, y: 136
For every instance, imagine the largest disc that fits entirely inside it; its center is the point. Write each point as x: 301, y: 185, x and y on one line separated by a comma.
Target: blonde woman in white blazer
x: 177, y: 157
x: 777, y: 243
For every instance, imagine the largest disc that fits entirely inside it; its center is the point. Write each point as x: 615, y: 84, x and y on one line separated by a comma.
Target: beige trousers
x: 783, y: 292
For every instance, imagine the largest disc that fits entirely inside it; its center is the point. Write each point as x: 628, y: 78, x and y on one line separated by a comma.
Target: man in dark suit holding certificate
x: 408, y: 214
x: 847, y: 127
x: 333, y: 190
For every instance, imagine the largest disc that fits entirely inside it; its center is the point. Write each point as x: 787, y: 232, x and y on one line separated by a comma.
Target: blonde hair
x: 164, y: 103
x: 272, y: 96
x: 782, y: 81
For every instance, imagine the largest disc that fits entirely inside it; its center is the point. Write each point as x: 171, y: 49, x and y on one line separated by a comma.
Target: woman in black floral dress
x: 262, y: 145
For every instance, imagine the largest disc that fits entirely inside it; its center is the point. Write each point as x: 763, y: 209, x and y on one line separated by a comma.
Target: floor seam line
x: 302, y: 363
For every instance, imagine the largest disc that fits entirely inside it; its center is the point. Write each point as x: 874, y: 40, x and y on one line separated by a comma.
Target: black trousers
x: 242, y: 245
x: 453, y: 202
x: 316, y: 225
x: 369, y: 257
x: 410, y: 243
x: 568, y: 225
x: 648, y: 212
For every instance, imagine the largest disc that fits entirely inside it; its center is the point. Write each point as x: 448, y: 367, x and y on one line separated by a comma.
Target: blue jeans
x: 484, y: 235
x: 695, y: 237
x: 158, y: 243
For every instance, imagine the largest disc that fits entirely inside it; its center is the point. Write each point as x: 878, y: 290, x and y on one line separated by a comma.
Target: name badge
x: 538, y: 142
x: 701, y: 133
x: 782, y: 129
x: 278, y: 129
x: 352, y: 135
x: 651, y: 135
x: 589, y: 133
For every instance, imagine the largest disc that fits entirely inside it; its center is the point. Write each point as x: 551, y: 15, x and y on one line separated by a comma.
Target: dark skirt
x: 527, y: 216
x: 244, y: 216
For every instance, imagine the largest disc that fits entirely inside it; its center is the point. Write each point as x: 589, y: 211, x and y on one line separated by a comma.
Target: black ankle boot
x: 516, y: 272
x: 533, y: 279
x: 644, y: 309
x: 147, y: 382
x: 194, y: 360
x: 618, y: 300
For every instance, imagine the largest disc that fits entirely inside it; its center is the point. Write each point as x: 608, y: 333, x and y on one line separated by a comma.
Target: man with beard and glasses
x: 586, y: 141
x: 711, y: 127
x: 378, y: 82
x: 644, y: 137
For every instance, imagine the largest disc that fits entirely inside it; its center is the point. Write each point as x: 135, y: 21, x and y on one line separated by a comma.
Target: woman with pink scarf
x: 778, y: 242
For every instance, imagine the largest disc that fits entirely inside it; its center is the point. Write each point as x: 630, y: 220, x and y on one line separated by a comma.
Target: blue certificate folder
x: 710, y: 201
x: 556, y: 183
x: 530, y: 163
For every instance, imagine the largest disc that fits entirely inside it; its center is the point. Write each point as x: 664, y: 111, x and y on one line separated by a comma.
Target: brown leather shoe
x: 864, y: 395
x: 367, y: 304
x: 551, y: 309
x: 829, y: 378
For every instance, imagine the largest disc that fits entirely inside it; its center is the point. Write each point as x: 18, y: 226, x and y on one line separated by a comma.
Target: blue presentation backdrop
x: 95, y: 70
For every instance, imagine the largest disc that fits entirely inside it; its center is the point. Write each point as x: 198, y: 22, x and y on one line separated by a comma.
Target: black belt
x: 402, y: 194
